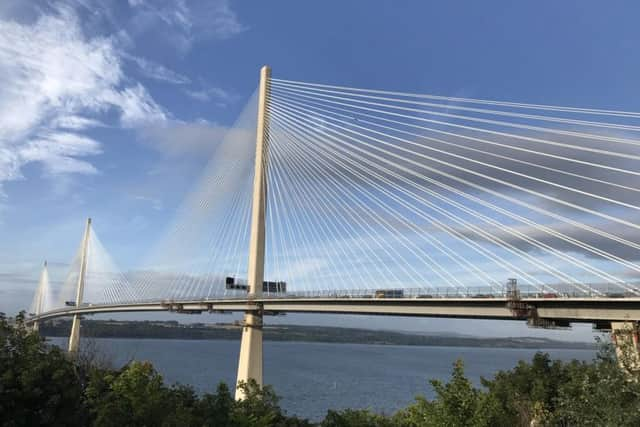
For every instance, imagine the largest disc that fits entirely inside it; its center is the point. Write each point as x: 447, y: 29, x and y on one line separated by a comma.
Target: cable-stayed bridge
x: 332, y: 199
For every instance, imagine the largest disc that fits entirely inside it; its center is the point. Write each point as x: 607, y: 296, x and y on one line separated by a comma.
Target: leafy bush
x: 41, y: 385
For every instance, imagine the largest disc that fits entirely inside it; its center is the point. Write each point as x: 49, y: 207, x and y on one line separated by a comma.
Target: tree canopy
x: 41, y: 385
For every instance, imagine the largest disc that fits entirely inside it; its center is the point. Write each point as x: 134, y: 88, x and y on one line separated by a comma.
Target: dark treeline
x: 40, y: 385
x: 175, y: 330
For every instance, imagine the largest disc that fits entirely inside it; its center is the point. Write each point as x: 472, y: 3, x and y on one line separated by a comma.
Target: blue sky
x: 109, y: 109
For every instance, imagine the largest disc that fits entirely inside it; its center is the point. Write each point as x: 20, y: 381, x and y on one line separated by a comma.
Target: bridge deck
x: 588, y: 310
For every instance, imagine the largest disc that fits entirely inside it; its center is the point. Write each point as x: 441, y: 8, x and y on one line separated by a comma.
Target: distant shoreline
x: 295, y: 333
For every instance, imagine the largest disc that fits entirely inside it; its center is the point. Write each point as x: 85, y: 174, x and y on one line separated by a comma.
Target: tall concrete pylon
x: 74, y: 338
x: 41, y: 293
x: 250, y: 361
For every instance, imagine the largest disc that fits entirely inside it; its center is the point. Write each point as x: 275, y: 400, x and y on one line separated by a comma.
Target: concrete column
x: 626, y: 337
x: 250, y: 362
x: 35, y: 326
x: 74, y: 338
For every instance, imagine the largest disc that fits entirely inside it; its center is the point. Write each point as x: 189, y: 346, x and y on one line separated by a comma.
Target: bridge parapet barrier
x: 546, y: 291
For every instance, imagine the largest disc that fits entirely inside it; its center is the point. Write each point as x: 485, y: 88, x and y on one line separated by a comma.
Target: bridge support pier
x: 74, y: 337
x: 250, y: 361
x: 626, y: 337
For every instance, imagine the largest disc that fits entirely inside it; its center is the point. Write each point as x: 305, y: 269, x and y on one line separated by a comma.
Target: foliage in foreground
x: 40, y: 385
x: 540, y: 393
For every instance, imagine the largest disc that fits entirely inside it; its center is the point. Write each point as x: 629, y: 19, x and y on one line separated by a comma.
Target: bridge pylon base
x: 626, y: 337
x: 250, y: 361
x: 74, y: 338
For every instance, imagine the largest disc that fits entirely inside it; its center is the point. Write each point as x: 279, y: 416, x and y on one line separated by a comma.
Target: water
x: 314, y: 377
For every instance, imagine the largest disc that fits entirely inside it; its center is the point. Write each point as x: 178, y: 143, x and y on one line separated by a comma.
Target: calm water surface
x: 314, y: 377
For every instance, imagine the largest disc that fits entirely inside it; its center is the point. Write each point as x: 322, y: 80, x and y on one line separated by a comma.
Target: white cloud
x: 136, y: 106
x: 218, y: 95
x: 155, y: 203
x: 179, y: 138
x: 183, y: 23
x: 306, y: 267
x: 224, y: 23
x: 56, y: 81
x: 157, y: 71
x: 59, y: 152
x: 200, y: 95
x: 63, y: 73
x: 9, y: 165
x: 75, y: 122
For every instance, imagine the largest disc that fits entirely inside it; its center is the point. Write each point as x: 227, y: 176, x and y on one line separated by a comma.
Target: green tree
x: 39, y: 385
x: 598, y: 394
x: 356, y: 418
x: 137, y: 396
x: 260, y: 407
x: 457, y: 404
x: 215, y: 410
x: 555, y: 393
x: 527, y: 392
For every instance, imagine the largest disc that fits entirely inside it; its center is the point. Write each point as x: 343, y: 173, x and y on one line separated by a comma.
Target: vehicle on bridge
x: 274, y: 287
x: 73, y: 304
x: 549, y: 295
x: 271, y: 287
x: 233, y: 283
x: 619, y: 295
x: 389, y: 293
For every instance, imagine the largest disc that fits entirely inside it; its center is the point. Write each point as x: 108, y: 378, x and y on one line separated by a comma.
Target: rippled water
x: 314, y: 377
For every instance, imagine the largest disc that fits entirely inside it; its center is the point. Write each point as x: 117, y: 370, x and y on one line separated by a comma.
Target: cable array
x: 386, y: 190
x: 103, y: 281
x: 373, y: 192
x: 209, y: 238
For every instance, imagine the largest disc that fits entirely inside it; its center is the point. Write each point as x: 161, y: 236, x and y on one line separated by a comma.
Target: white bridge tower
x: 74, y: 338
x: 250, y: 363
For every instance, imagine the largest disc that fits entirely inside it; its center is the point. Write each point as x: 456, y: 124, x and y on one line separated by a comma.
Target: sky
x: 110, y: 110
